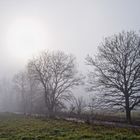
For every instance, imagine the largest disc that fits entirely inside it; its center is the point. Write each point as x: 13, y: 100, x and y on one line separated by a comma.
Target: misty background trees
x: 47, y: 83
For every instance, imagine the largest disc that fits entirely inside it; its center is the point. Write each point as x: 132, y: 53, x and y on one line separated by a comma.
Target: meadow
x: 18, y: 127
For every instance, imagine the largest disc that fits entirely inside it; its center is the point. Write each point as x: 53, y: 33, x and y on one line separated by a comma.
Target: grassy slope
x: 13, y: 127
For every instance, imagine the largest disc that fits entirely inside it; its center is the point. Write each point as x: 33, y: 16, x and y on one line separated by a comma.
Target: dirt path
x: 105, y: 123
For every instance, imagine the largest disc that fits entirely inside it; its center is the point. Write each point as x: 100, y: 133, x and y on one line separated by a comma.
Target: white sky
x: 73, y: 26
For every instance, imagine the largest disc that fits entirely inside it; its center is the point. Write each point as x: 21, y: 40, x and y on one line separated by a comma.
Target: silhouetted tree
x: 57, y: 74
x: 94, y: 105
x: 77, y: 105
x: 116, y: 71
x: 80, y: 105
x: 32, y: 91
x: 20, y: 84
x: 6, y: 102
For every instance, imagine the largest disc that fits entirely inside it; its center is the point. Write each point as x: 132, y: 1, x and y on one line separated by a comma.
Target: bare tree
x: 57, y: 74
x: 94, y: 105
x: 6, y: 102
x: 80, y: 105
x: 32, y: 90
x: 116, y: 71
x: 77, y: 105
x: 20, y: 84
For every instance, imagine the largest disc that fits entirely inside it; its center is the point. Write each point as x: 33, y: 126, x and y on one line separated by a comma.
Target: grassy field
x: 14, y: 127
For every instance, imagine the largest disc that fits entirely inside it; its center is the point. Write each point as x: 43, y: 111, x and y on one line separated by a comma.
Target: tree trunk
x: 51, y: 113
x: 128, y: 116
x: 127, y: 108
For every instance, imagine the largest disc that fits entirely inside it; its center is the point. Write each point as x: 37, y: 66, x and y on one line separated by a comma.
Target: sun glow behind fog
x: 25, y: 37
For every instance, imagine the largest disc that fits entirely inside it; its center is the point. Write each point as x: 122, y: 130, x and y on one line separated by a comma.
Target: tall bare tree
x: 32, y: 91
x: 76, y: 106
x: 116, y: 71
x: 20, y: 84
x: 80, y: 105
x: 94, y: 105
x: 6, y: 102
x: 57, y: 74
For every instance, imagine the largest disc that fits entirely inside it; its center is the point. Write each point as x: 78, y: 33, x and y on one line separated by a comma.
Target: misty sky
x: 73, y: 26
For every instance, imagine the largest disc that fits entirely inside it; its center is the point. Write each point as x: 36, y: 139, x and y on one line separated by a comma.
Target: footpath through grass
x: 15, y: 127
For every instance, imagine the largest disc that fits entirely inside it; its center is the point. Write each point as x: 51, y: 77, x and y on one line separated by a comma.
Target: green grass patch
x: 16, y: 127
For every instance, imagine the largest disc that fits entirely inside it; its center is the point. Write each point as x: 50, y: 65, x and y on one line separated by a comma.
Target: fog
x: 73, y: 26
